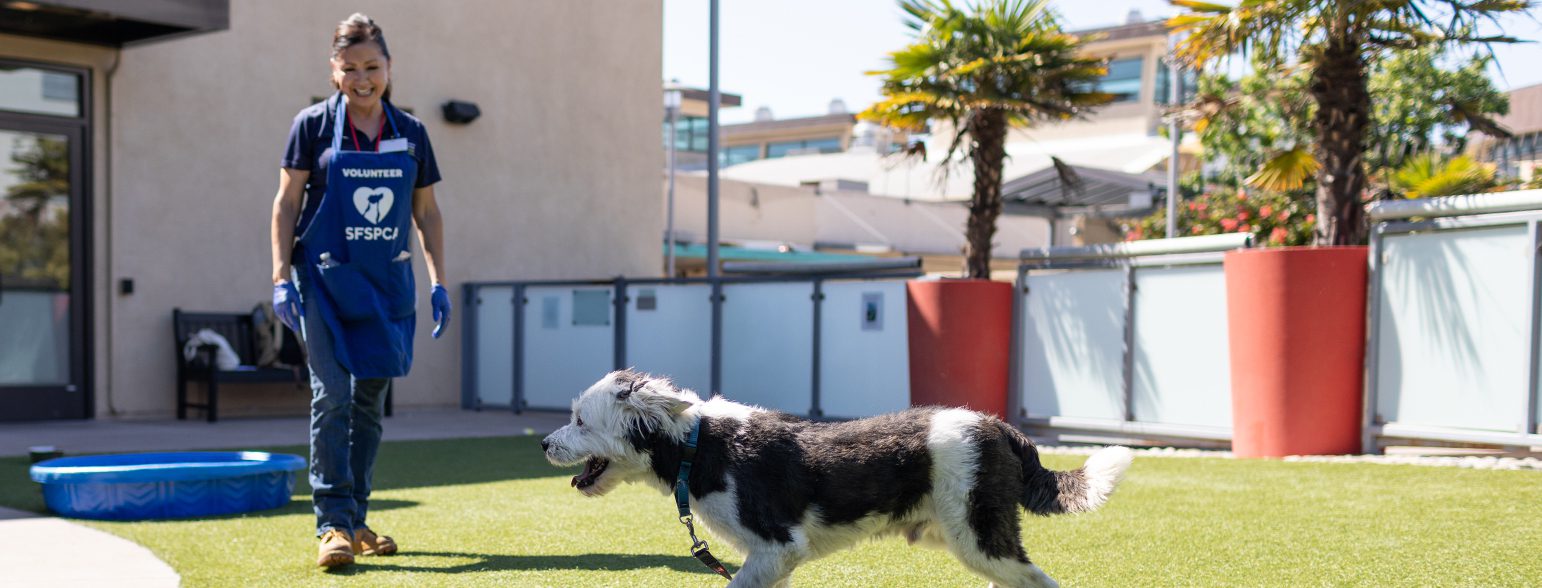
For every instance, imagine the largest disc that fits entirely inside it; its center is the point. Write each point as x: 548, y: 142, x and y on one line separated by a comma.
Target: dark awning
x: 112, y: 22
x: 1107, y: 191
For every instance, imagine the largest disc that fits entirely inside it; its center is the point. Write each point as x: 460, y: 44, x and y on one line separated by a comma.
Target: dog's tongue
x: 590, y: 467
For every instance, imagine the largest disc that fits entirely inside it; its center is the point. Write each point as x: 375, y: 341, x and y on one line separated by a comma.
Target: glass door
x: 42, y: 263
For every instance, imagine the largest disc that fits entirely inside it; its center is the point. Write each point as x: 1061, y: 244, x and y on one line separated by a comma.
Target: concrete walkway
x: 48, y: 551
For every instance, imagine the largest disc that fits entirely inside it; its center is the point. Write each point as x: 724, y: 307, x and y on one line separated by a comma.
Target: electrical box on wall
x: 872, y: 311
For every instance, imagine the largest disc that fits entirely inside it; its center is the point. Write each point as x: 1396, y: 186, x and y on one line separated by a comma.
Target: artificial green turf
x: 491, y: 512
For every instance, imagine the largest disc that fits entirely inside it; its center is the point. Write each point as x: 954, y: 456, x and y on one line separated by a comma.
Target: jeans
x: 345, y: 425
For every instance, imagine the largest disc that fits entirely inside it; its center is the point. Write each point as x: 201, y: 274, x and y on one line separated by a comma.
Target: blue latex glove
x: 286, y: 304
x: 441, y: 302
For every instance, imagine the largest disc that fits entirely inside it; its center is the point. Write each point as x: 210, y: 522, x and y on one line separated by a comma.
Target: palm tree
x: 1336, y: 40
x: 984, y: 69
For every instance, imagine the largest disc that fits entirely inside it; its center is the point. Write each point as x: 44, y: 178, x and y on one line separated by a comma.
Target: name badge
x: 393, y: 145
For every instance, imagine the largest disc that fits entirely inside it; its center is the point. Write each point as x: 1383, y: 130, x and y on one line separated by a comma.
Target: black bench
x: 238, y: 329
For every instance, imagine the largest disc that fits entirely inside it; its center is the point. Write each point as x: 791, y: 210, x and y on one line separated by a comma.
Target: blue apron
x: 355, y: 252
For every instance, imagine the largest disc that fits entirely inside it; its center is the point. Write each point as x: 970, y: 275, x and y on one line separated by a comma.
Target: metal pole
x: 1174, y: 131
x: 1129, y: 343
x: 1016, y: 412
x: 1528, y: 422
x: 818, y: 297
x: 717, y: 338
x: 669, y: 224
x: 1368, y: 418
x: 618, y: 305
x: 470, y: 394
x: 713, y: 99
x: 518, y: 365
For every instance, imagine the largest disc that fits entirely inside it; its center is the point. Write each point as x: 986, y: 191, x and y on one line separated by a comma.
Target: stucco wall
x: 558, y: 178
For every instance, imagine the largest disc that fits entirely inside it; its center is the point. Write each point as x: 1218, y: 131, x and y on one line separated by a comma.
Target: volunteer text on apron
x: 355, y: 251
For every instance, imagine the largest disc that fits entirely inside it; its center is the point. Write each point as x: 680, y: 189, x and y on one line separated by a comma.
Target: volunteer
x: 358, y: 174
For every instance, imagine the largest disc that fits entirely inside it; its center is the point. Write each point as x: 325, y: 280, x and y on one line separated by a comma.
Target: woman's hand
x: 440, y: 299
x: 286, y: 304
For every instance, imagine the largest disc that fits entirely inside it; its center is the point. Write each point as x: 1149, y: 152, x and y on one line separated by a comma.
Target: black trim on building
x: 113, y: 23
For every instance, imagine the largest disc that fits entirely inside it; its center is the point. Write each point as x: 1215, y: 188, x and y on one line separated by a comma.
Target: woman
x: 358, y: 172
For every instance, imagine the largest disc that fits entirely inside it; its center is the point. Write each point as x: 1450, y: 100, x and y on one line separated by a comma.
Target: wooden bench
x: 238, y: 329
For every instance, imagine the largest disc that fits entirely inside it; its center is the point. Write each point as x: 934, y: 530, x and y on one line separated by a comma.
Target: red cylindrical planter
x: 960, y: 343
x: 1297, y: 328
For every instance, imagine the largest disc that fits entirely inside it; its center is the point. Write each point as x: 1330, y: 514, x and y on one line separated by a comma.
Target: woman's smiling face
x: 362, y: 72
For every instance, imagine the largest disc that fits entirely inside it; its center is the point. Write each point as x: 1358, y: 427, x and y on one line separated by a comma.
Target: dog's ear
x: 654, y: 398
x: 628, y: 389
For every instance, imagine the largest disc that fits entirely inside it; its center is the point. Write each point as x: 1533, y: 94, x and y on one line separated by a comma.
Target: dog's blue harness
x: 682, y: 500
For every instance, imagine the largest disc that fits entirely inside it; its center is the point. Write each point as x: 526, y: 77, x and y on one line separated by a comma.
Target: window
x: 740, y: 154
x: 1190, y: 84
x: 39, y: 91
x: 1123, y: 79
x: 690, y: 133
x: 803, y: 147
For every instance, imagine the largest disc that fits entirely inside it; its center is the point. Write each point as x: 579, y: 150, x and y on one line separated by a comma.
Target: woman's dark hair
x: 357, y: 29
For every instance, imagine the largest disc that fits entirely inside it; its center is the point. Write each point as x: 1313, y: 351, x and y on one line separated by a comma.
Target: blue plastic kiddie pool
x: 137, y: 486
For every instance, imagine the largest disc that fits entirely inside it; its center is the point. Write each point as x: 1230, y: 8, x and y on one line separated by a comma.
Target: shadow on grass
x: 489, y: 562
x: 301, y: 504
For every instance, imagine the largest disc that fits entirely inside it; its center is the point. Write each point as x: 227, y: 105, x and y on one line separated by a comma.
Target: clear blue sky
x: 796, y: 55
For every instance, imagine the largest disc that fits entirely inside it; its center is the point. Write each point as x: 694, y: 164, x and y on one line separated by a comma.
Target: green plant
x: 1337, y: 42
x: 1429, y: 174
x: 1418, y: 102
x: 1274, y: 218
x: 984, y: 68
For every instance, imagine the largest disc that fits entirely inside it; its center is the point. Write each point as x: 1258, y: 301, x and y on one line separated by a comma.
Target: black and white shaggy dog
x: 783, y: 490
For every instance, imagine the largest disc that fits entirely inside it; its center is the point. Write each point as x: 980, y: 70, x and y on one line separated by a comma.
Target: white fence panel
x: 494, y: 379
x: 1072, y: 344
x: 768, y: 331
x: 569, y: 342
x: 669, y: 333
x: 1453, y: 335
x: 864, y: 359
x: 1182, y: 373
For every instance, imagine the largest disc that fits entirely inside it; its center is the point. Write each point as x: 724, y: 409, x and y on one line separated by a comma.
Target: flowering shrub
x: 1275, y: 219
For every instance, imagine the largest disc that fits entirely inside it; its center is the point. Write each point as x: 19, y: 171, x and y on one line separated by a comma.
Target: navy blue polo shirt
x: 310, y: 148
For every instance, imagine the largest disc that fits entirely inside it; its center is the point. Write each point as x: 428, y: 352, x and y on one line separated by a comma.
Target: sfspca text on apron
x: 356, y: 253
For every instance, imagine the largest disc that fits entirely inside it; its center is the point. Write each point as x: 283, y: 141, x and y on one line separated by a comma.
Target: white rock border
x: 1469, y: 462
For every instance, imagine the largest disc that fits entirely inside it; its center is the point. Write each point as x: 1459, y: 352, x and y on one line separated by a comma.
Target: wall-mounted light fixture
x: 459, y: 112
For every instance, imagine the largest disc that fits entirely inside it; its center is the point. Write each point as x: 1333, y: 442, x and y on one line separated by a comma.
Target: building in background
x: 1520, y: 156
x: 832, y: 184
x: 768, y: 137
x: 140, y: 142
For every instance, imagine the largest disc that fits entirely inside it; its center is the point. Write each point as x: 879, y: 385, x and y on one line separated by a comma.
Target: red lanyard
x: 380, y: 134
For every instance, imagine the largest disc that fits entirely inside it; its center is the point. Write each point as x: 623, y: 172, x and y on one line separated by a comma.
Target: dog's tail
x: 1048, y: 492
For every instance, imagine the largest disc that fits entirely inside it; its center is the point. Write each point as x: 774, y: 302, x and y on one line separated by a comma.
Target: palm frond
x: 1285, y: 171
x: 1070, y: 181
